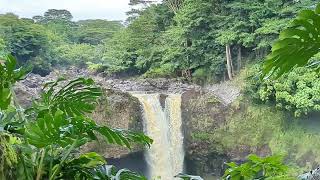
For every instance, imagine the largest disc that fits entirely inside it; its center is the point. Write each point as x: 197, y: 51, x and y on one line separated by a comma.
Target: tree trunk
x: 239, y: 59
x: 229, y: 61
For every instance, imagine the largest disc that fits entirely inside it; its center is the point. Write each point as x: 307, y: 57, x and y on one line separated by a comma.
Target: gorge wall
x: 219, y: 125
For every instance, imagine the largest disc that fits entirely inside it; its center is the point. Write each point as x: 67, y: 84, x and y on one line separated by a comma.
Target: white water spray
x: 166, y: 155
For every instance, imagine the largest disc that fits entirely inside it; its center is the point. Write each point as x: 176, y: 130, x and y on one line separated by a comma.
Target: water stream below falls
x: 163, y: 123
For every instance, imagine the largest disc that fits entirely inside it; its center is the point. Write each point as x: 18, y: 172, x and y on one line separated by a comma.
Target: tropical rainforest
x: 269, y: 48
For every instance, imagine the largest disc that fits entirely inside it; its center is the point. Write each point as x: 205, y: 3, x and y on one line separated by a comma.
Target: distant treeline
x: 54, y: 39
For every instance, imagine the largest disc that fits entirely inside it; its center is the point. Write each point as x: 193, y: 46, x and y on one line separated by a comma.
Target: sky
x: 80, y: 9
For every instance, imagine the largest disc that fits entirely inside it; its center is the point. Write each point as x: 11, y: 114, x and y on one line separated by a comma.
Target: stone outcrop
x: 203, y: 111
x: 117, y: 109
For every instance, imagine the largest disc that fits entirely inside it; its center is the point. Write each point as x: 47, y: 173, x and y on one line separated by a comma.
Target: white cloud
x: 80, y: 9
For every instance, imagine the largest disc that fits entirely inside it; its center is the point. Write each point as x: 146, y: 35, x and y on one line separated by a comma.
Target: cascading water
x: 166, y: 155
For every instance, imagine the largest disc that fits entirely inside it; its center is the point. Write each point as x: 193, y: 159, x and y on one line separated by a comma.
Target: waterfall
x: 166, y: 155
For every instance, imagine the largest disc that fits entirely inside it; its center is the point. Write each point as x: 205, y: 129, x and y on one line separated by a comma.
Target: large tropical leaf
x: 82, y: 167
x: 110, y: 172
x: 8, y: 76
x: 57, y: 129
x: 296, y: 45
x: 60, y: 117
x: 76, y: 98
x: 123, y: 137
x: 92, y: 166
x: 60, y: 129
x: 10, y: 121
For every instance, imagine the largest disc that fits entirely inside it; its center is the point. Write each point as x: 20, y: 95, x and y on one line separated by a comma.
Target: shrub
x: 258, y: 168
x: 297, y: 92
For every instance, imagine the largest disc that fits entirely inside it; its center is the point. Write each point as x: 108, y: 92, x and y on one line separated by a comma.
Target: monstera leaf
x: 82, y: 167
x: 123, y: 137
x: 76, y: 98
x: 93, y: 166
x: 296, y: 45
x: 60, y: 117
x: 59, y: 129
x: 8, y: 76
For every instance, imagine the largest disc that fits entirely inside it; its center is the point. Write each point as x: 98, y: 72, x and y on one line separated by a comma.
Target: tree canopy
x: 208, y: 39
x: 54, y: 39
x: 197, y: 40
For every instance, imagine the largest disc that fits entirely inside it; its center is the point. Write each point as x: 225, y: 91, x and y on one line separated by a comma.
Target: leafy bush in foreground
x: 42, y: 142
x: 297, y: 91
x: 256, y: 167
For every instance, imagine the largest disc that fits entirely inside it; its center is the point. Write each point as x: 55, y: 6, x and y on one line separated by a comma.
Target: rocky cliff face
x: 217, y: 126
x: 118, y: 110
x: 203, y: 111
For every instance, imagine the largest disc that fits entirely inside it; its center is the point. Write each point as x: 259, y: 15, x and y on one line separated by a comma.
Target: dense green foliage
x: 271, y: 167
x: 198, y: 40
x: 297, y: 44
x: 190, y: 40
x: 22, y: 37
x: 202, y: 40
x: 54, y: 39
x: 41, y: 142
x: 296, y: 91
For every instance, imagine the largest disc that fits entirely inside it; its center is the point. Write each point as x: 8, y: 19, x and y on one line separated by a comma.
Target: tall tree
x: 3, y: 48
x: 137, y: 7
x: 174, y: 5
x: 95, y: 31
x: 57, y: 15
x: 190, y: 44
x: 58, y: 21
x: 135, y: 48
x: 24, y: 38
